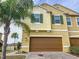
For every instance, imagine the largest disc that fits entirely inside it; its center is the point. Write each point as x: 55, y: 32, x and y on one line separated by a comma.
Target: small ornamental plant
x: 18, y: 46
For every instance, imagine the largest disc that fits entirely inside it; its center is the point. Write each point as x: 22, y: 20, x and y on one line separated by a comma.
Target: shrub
x: 0, y: 49
x: 74, y: 50
x: 18, y: 46
x: 24, y: 52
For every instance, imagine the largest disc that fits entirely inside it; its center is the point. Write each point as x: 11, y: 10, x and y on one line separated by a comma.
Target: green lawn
x: 0, y: 53
x: 15, y: 57
x: 6, y: 52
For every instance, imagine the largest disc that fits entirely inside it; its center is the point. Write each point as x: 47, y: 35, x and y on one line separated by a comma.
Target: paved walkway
x: 11, y: 53
x: 14, y: 54
x: 50, y: 55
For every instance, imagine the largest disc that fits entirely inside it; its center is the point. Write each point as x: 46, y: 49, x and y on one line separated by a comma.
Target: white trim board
x: 66, y: 46
x: 59, y: 30
x: 73, y: 31
x: 74, y: 36
x: 46, y: 36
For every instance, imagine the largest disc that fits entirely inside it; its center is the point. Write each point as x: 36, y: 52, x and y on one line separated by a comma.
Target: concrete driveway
x: 50, y: 55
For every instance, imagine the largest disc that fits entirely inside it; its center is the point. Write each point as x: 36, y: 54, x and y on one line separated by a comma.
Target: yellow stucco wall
x: 74, y: 26
x: 61, y: 30
x: 61, y: 26
x: 41, y: 26
x: 64, y: 35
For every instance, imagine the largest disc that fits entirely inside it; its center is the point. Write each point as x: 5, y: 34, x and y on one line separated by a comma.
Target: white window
x: 78, y: 21
x: 37, y: 18
x: 69, y: 21
x: 57, y: 19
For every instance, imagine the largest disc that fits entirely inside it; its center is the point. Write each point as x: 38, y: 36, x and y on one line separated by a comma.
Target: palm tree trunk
x: 6, y: 33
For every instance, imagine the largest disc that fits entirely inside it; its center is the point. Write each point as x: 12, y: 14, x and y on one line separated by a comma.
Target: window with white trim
x: 37, y: 18
x: 69, y: 23
x: 78, y: 21
x: 57, y: 19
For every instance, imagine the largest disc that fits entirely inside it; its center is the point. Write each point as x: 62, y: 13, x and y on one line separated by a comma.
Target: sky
x: 72, y: 4
x: 13, y: 29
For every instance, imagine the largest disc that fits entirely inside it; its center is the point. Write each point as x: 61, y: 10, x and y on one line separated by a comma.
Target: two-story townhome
x: 53, y: 28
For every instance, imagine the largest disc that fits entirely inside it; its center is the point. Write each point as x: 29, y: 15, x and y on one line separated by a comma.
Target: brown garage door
x: 45, y: 44
x: 74, y: 41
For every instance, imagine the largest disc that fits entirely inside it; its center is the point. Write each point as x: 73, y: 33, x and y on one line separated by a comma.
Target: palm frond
x: 14, y: 35
x: 15, y: 9
x: 25, y: 27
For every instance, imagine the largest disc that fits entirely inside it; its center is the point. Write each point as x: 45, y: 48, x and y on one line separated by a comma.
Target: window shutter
x: 52, y: 19
x: 32, y: 18
x: 61, y: 17
x: 41, y: 18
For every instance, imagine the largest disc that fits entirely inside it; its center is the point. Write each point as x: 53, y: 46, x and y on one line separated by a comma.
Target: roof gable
x: 39, y: 7
x: 65, y: 9
x: 49, y: 7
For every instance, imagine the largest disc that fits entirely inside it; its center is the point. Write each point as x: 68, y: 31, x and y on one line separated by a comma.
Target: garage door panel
x: 46, y: 47
x: 45, y: 44
x: 74, y: 41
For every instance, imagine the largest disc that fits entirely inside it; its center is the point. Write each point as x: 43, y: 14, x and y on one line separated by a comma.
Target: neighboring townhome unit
x: 53, y: 28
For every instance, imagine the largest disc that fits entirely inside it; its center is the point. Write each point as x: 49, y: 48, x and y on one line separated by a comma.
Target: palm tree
x: 15, y: 36
x: 13, y: 11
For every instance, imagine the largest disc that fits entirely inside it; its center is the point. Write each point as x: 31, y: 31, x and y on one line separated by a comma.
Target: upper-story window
x: 37, y: 18
x: 78, y: 21
x: 69, y: 21
x: 57, y: 19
